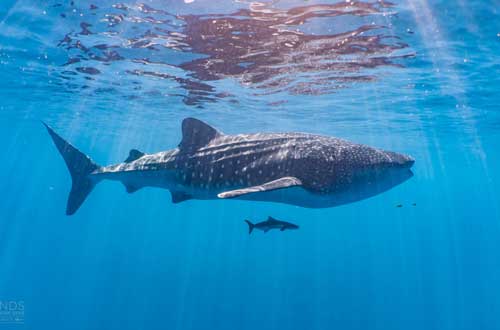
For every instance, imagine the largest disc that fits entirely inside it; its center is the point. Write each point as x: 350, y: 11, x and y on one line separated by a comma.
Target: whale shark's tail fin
x: 79, y: 166
x: 250, y: 226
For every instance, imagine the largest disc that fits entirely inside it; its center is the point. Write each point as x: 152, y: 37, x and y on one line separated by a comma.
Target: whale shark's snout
x: 409, y: 162
x: 400, y: 160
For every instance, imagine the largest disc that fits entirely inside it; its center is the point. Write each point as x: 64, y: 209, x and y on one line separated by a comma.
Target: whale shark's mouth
x: 390, y: 177
x: 406, y: 162
x: 409, y: 163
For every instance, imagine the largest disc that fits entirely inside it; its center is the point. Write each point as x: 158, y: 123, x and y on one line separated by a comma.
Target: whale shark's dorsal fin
x: 134, y: 154
x: 196, y: 134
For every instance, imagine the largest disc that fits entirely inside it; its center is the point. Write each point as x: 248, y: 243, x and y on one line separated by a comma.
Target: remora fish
x: 270, y: 223
x: 294, y: 168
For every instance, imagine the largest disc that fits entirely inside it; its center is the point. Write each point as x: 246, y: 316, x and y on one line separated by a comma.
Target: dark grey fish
x: 270, y: 223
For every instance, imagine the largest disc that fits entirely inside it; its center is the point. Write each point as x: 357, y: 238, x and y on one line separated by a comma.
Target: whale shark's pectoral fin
x: 283, y: 228
x: 285, y: 182
x: 134, y: 154
x: 180, y: 196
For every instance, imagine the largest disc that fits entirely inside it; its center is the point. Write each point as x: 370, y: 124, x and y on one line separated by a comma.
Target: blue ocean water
x: 419, y: 77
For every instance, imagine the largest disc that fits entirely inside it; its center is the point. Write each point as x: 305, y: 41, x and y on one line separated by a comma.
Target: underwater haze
x: 417, y: 77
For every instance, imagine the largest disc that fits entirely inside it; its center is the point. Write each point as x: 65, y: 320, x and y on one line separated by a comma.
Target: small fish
x: 399, y: 205
x: 414, y: 204
x: 269, y: 224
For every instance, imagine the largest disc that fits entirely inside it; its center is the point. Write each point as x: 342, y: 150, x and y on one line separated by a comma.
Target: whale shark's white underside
x: 294, y: 168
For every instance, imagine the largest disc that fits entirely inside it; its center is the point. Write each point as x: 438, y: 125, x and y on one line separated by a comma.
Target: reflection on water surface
x: 267, y: 49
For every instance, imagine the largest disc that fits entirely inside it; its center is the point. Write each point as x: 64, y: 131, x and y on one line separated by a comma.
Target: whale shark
x: 270, y: 223
x: 301, y: 169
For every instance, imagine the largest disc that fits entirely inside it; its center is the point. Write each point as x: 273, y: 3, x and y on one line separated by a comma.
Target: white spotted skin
x: 332, y: 171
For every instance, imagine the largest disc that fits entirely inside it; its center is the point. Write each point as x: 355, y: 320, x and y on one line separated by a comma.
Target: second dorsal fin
x: 196, y: 134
